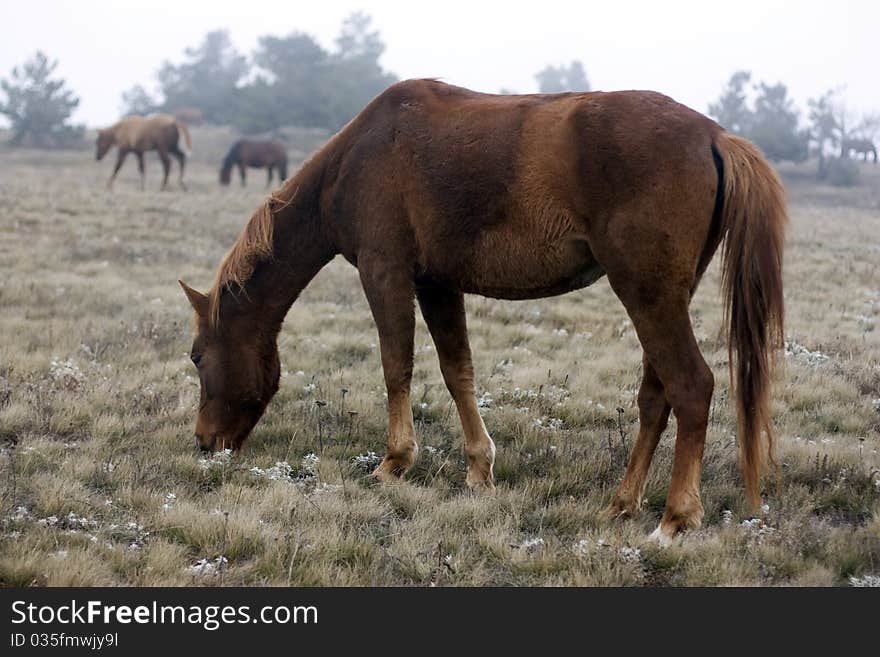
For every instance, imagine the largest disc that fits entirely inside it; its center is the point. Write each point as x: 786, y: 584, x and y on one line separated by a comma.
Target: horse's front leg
x: 390, y: 291
x: 444, y: 314
x: 120, y: 158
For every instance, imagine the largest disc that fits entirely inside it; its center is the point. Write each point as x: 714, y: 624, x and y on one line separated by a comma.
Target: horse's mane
x: 253, y: 245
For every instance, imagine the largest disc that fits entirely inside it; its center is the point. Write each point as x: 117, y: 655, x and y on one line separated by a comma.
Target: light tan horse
x: 434, y: 191
x: 138, y: 134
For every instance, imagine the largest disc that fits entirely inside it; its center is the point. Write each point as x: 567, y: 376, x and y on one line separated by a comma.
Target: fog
x: 686, y: 49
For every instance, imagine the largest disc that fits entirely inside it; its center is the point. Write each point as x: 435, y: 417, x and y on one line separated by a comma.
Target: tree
x: 207, y: 79
x: 137, y: 101
x: 774, y: 125
x: 301, y: 83
x: 731, y: 109
x: 38, y: 105
x: 825, y: 128
x: 291, y: 88
x: 553, y: 79
x: 355, y: 75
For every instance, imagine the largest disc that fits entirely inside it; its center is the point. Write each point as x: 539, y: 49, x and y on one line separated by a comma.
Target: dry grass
x: 100, y: 484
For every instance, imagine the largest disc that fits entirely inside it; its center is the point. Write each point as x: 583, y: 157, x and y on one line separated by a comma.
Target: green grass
x: 97, y: 404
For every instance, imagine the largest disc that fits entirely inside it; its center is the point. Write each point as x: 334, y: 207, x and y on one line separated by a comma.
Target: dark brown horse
x: 138, y: 134
x: 863, y: 147
x: 253, y: 153
x: 434, y: 191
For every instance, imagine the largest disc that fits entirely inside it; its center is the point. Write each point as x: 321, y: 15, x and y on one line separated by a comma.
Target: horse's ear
x: 198, y: 300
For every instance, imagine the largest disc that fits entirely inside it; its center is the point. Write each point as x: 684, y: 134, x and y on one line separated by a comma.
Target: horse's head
x: 225, y: 174
x: 238, y: 369
x: 104, y: 143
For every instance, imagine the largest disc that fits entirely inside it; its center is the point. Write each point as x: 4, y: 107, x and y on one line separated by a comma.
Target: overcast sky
x: 685, y: 48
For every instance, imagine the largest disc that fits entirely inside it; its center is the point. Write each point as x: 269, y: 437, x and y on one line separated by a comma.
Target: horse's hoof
x: 390, y: 470
x: 480, y: 484
x: 661, y: 536
x: 619, y: 507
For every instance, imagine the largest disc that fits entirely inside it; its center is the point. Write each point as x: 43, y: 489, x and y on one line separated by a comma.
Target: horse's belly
x: 535, y: 289
x: 527, y: 271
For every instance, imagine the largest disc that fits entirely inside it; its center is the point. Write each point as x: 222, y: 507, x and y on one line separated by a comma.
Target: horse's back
x: 259, y: 152
x: 490, y: 183
x: 147, y: 132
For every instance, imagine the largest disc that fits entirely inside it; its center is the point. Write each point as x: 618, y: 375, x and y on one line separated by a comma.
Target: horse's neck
x: 301, y: 243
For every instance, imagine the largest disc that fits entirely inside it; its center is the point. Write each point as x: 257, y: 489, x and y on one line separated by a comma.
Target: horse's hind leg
x: 269, y: 176
x: 660, y: 316
x: 181, y: 160
x: 166, y: 167
x: 389, y: 290
x: 140, y: 159
x: 444, y: 314
x: 653, y: 418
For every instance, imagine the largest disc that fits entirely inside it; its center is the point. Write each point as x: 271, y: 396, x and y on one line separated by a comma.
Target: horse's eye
x: 196, y: 358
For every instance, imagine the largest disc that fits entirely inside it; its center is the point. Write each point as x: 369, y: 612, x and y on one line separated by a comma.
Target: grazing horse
x: 862, y: 147
x: 253, y: 153
x: 434, y: 191
x: 137, y: 134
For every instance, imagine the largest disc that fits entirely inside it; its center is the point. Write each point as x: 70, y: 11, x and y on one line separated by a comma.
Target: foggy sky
x: 684, y: 48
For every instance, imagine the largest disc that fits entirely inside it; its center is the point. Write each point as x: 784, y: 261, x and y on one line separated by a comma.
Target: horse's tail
x: 753, y: 223
x: 181, y: 126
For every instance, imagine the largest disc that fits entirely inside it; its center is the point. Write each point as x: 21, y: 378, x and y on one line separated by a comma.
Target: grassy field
x: 100, y: 484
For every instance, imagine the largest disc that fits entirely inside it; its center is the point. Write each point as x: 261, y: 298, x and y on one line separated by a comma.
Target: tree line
x: 289, y: 80
x: 773, y: 122
x: 292, y: 80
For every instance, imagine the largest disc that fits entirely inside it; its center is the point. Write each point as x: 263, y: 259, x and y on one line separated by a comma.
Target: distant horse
x: 253, y: 153
x: 862, y: 147
x: 190, y: 115
x: 137, y: 134
x: 434, y: 191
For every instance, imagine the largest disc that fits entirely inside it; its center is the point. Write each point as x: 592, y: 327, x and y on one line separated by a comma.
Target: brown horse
x: 863, y: 147
x: 434, y: 191
x: 137, y: 134
x: 253, y: 153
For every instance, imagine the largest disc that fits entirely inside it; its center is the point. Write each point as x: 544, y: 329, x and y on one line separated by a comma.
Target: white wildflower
x: 217, y: 460
x: 813, y: 358
x: 368, y: 460
x: 629, y: 554
x: 66, y: 373
x: 170, y: 498
x: 757, y: 527
x: 324, y: 488
x: 51, y: 521
x: 206, y: 567
x: 310, y: 463
x: 531, y: 543
x: 867, y: 581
